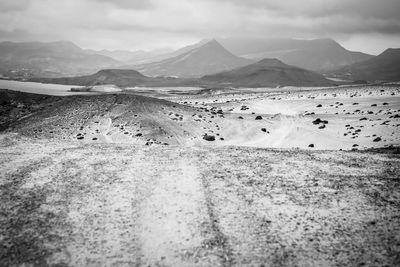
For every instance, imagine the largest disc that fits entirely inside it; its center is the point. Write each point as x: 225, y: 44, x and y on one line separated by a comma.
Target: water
x: 39, y: 88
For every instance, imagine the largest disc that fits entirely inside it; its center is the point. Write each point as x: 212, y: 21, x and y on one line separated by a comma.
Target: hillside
x: 316, y: 55
x: 119, y: 77
x: 267, y: 73
x: 208, y: 58
x: 125, y: 118
x: 55, y: 59
x: 384, y: 67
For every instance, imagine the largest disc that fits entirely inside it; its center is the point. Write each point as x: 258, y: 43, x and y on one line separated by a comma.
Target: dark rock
x: 377, y: 139
x: 209, y: 137
x: 317, y: 121
x: 259, y: 117
x: 311, y: 145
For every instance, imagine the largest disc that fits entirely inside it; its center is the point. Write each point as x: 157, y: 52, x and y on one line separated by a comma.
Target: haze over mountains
x: 208, y: 58
x: 265, y: 73
x: 316, y: 55
x: 53, y: 59
x: 131, y: 56
x: 325, y: 56
x: 384, y: 67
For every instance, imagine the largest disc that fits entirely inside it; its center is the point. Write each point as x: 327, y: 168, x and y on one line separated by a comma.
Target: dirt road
x: 71, y: 204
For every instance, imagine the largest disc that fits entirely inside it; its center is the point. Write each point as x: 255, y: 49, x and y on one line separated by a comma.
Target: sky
x: 369, y: 26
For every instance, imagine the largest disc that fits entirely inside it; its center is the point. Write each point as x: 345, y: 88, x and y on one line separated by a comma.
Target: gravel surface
x: 85, y: 204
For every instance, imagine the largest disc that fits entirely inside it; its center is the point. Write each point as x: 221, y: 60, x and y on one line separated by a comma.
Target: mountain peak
x: 213, y: 43
x: 271, y: 62
x: 210, y: 57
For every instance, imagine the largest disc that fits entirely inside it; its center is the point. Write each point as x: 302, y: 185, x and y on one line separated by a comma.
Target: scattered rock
x: 209, y: 137
x: 317, y: 121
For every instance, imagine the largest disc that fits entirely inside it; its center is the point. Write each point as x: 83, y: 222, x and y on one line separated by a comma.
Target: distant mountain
x: 316, y: 55
x: 53, y: 59
x: 163, y: 56
x: 130, y: 56
x: 119, y: 77
x: 384, y: 67
x: 208, y: 58
x: 267, y: 73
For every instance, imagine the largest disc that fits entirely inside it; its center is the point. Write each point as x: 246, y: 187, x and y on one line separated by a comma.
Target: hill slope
x: 55, y: 59
x: 207, y: 59
x: 118, y: 118
x: 384, y: 67
x: 267, y: 73
x: 317, y: 55
x: 119, y: 77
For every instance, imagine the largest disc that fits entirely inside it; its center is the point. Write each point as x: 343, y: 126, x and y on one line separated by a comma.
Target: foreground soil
x: 106, y: 204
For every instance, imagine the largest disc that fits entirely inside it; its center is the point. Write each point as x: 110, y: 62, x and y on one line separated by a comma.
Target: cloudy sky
x: 363, y: 25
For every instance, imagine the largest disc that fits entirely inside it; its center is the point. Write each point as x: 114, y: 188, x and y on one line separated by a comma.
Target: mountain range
x: 205, y: 58
x: 265, y: 73
x: 316, y: 55
x: 53, y: 59
x: 384, y: 67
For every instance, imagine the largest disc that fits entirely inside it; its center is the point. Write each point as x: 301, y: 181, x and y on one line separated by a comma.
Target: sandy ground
x: 87, y: 204
x: 125, y: 180
x: 354, y: 117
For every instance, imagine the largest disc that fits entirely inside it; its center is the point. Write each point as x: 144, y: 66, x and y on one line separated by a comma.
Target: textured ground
x: 89, y: 204
x: 336, y: 118
x: 128, y: 180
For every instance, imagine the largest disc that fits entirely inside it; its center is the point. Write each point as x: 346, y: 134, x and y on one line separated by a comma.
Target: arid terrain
x: 201, y: 177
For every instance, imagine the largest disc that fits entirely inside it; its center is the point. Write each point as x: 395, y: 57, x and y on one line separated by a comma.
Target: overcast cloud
x: 364, y: 25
